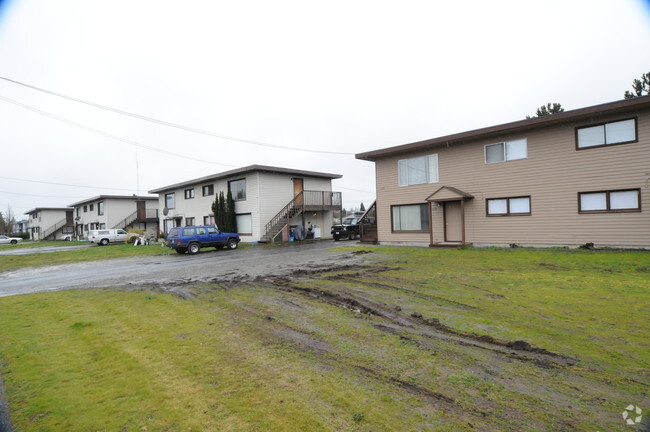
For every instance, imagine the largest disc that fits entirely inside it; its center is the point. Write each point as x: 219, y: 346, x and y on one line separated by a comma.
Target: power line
x: 108, y: 135
x: 39, y: 196
x: 174, y: 125
x: 64, y: 184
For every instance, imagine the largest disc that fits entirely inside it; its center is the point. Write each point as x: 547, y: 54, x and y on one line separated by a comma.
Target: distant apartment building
x: 50, y: 223
x: 116, y: 211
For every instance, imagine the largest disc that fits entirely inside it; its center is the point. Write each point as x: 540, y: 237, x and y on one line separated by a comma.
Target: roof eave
x: 517, y: 126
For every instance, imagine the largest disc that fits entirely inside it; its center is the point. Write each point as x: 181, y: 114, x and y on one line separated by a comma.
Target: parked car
x: 104, y: 237
x: 9, y: 240
x: 349, y: 228
x: 192, y: 238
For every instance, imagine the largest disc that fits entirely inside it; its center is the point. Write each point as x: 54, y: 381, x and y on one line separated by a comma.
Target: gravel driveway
x: 254, y: 261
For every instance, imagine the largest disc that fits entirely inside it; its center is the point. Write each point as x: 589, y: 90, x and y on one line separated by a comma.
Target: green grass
x: 30, y: 244
x: 267, y: 357
x: 92, y: 253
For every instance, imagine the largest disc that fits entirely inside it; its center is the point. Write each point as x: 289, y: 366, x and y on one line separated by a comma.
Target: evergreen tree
x: 548, y: 109
x: 640, y: 87
x: 219, y: 210
x: 230, y: 216
x: 362, y: 208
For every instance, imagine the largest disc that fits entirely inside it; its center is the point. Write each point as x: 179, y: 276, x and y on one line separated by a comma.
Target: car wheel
x: 352, y: 236
x: 14, y: 241
x: 104, y: 242
x: 193, y: 248
x: 337, y: 238
x: 180, y: 251
x: 232, y: 244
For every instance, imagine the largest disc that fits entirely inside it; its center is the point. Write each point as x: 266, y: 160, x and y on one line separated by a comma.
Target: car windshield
x: 350, y: 221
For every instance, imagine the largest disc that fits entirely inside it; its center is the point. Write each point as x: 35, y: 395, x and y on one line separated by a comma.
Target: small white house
x: 268, y: 201
x: 116, y: 211
x: 50, y: 223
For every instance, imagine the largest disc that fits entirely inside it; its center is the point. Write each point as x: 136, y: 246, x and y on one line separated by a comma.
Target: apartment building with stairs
x: 269, y: 201
x: 116, y: 211
x: 50, y: 223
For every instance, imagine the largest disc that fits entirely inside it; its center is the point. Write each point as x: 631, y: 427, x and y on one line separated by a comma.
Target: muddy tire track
x: 418, y: 325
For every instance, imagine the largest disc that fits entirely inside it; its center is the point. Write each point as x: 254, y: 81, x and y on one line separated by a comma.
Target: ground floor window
x: 518, y: 206
x: 189, y: 221
x: 245, y: 224
x: 412, y: 217
x: 208, y: 220
x: 609, y: 201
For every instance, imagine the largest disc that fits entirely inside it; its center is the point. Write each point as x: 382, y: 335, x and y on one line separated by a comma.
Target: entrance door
x: 453, y: 222
x: 141, y: 209
x: 297, y: 189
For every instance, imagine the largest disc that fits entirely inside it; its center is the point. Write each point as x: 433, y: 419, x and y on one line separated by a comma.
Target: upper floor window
x: 85, y: 209
x: 237, y: 189
x: 208, y: 190
x: 91, y: 207
x: 618, y: 132
x: 609, y: 201
x: 100, y: 208
x: 419, y: 170
x: 170, y: 201
x: 508, y: 206
x: 506, y: 151
x: 189, y: 193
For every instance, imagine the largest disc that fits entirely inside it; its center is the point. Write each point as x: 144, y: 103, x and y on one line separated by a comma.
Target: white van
x: 104, y: 237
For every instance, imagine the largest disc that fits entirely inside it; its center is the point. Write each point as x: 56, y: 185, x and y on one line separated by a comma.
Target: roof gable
x: 448, y: 193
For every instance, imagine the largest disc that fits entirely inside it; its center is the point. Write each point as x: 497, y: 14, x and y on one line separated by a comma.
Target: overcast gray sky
x: 336, y: 76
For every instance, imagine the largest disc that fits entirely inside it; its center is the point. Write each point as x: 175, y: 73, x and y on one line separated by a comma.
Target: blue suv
x: 192, y: 238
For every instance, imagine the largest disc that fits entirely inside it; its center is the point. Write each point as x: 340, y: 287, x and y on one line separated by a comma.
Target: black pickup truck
x: 348, y: 229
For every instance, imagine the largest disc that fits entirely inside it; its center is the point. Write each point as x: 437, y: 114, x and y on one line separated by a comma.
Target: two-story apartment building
x: 572, y: 178
x: 268, y: 200
x: 50, y: 223
x: 116, y: 211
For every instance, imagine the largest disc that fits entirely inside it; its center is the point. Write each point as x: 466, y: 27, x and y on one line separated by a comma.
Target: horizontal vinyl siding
x: 552, y: 176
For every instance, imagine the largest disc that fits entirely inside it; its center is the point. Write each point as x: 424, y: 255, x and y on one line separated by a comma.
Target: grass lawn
x: 34, y: 244
x: 416, y: 340
x: 91, y: 253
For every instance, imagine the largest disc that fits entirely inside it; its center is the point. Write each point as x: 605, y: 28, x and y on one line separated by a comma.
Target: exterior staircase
x: 51, y: 231
x: 368, y: 225
x: 137, y: 216
x: 275, y: 226
x: 303, y: 202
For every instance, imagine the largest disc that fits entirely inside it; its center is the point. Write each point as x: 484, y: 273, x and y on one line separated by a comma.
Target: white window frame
x: 431, y: 174
x: 505, y: 144
x: 170, y: 197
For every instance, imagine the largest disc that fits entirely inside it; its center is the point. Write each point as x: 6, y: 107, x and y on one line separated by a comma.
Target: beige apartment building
x: 116, y: 211
x: 268, y: 201
x: 577, y: 177
x: 50, y: 223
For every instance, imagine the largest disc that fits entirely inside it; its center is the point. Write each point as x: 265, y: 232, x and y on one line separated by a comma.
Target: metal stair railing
x: 53, y: 229
x: 126, y: 221
x: 280, y: 220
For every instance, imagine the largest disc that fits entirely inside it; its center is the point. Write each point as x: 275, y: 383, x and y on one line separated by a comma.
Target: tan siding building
x: 566, y: 179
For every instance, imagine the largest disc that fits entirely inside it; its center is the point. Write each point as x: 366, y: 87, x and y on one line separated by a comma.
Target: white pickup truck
x: 106, y: 236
